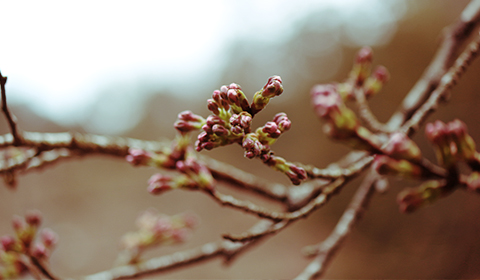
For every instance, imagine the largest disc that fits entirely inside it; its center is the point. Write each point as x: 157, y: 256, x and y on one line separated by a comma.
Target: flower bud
x: 400, y: 146
x: 39, y: 251
x: 138, y: 157
x: 282, y: 121
x: 361, y: 67
x: 342, y: 122
x: 33, y: 218
x: 213, y: 106
x: 375, y: 83
x: 159, y: 183
x: 8, y: 243
x: 272, y: 88
x: 412, y: 199
x: 48, y: 237
x: 385, y: 165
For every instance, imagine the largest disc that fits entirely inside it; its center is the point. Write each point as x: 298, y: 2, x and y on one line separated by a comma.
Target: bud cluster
x: 194, y: 176
x: 232, y: 115
x: 156, y: 229
x: 361, y: 76
x: 452, y: 143
x: 13, y: 248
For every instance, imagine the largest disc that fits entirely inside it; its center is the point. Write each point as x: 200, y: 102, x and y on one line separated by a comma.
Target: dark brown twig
x: 17, y: 139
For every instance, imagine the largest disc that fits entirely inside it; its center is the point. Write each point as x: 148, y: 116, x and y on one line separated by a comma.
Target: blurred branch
x: 454, y: 37
x: 325, y: 251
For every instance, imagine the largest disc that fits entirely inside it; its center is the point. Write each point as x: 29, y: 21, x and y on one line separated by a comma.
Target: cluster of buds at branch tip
x: 452, y: 143
x: 411, y: 199
x: 156, y: 229
x: 24, y: 243
x: 188, y: 121
x: 327, y: 103
x: 194, y: 176
x: 272, y: 88
x: 362, y: 78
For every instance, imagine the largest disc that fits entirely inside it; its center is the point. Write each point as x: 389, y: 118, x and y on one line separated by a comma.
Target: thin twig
x: 17, y: 139
x: 326, y: 250
x: 42, y: 268
x: 226, y: 249
x: 446, y: 83
x: 366, y: 114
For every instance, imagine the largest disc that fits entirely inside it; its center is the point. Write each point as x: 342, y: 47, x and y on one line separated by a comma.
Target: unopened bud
x: 159, y: 183
x: 400, y: 146
x: 33, y: 218
x: 138, y: 157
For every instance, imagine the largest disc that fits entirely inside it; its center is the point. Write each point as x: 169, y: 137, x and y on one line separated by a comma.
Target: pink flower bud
x: 224, y: 89
x: 437, y: 132
x: 401, y: 147
x: 427, y: 193
x: 159, y: 183
x: 364, y: 55
x: 326, y: 100
x: 271, y: 129
x: 273, y: 87
x: 234, y: 86
x: 282, y: 121
x: 296, y: 174
x: 212, y: 106
x: 217, y: 96
x: 179, y: 235
x: 18, y: 224
x: 381, y: 74
x: 138, y: 157
x: 33, y: 218
x: 220, y: 130
x: 39, y: 251
x: 48, y: 237
x: 8, y: 243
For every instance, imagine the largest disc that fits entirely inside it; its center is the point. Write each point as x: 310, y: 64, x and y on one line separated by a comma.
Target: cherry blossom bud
x: 473, y: 182
x: 48, y: 237
x: 159, y: 183
x: 385, y: 165
x: 220, y: 130
x: 272, y: 88
x: 252, y: 146
x: 8, y: 243
x: 427, y: 193
x: 375, y: 83
x: 361, y: 67
x: 33, y: 218
x: 139, y: 157
x: 282, y: 121
x: 296, y: 174
x: 187, y: 121
x: 464, y: 143
x: 400, y: 146
x: 39, y: 251
x: 271, y: 129
x: 342, y: 122
x: 18, y: 224
x: 213, y: 106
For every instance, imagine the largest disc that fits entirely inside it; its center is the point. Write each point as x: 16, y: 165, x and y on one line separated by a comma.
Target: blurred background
x: 125, y: 68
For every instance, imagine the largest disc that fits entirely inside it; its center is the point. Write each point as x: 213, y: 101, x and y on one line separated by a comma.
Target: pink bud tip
x: 33, y: 218
x: 364, y: 55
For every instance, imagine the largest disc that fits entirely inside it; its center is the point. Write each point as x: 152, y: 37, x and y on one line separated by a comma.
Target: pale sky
x: 58, y: 55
